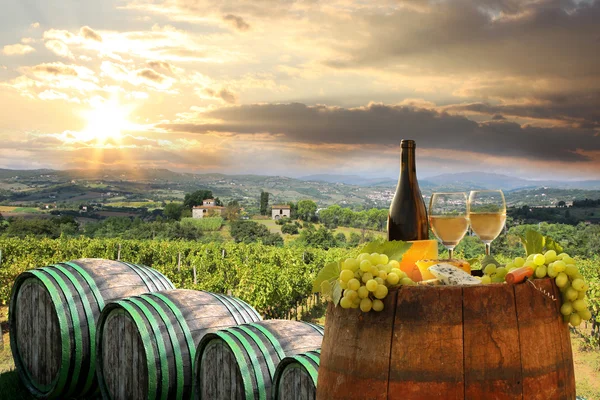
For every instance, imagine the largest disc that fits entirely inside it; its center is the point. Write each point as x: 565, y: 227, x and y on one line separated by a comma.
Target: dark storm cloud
x: 237, y: 22
x: 89, y: 33
x: 545, y: 37
x: 387, y: 125
x: 581, y: 109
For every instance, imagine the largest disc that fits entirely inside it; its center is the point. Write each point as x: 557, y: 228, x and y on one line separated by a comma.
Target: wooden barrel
x: 239, y: 362
x: 53, y: 316
x: 147, y: 344
x: 495, y: 341
x: 296, y: 377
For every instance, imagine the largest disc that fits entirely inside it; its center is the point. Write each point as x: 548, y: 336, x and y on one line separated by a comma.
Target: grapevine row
x: 274, y: 280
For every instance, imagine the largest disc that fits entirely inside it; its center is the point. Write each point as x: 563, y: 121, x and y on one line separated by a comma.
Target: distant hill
x: 459, y: 181
x: 349, y: 180
x: 485, y: 180
x: 44, y: 185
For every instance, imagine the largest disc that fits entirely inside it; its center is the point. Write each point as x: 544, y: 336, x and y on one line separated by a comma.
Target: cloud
x: 225, y: 95
x: 35, y: 25
x: 468, y: 36
x: 17, y: 49
x: 88, y: 33
x: 55, y: 69
x: 380, y: 124
x: 236, y: 22
x: 59, y: 48
x: 151, y: 75
x: 580, y: 108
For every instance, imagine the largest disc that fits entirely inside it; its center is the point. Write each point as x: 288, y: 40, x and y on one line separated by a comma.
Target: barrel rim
x: 296, y: 361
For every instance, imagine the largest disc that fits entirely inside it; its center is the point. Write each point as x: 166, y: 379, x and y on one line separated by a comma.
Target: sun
x: 106, y: 122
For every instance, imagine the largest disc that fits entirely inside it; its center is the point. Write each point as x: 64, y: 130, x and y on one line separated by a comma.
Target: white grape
x: 366, y: 305
x: 353, y: 284
x: 378, y: 305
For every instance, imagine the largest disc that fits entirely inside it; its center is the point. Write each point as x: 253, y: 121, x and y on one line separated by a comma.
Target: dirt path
x: 587, y: 370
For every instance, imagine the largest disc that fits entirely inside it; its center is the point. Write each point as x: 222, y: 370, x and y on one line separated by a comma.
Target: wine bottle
x: 407, y: 218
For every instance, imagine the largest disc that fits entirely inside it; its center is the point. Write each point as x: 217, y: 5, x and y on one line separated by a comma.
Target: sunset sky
x: 302, y: 87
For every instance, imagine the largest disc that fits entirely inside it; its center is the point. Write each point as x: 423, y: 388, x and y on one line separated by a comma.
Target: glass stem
x: 487, y: 248
x: 450, y: 252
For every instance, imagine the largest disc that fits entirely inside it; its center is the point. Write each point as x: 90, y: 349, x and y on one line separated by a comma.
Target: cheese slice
x: 450, y: 275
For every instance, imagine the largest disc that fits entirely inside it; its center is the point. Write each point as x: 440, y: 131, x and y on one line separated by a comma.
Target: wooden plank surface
x: 355, y: 356
x: 427, y: 344
x: 492, y: 361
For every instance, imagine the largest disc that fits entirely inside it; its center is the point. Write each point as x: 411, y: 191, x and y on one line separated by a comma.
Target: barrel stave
x: 427, y: 351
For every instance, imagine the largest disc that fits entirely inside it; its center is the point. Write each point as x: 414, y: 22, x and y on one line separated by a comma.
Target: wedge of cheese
x: 450, y: 275
x: 425, y: 264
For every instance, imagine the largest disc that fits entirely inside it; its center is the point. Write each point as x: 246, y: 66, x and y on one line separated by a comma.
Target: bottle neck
x: 408, y: 167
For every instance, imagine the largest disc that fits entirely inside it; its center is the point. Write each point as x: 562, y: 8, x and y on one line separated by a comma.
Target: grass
x: 10, y: 384
x: 28, y: 210
x: 274, y: 228
x: 205, y: 224
x: 7, y: 208
x: 587, y: 369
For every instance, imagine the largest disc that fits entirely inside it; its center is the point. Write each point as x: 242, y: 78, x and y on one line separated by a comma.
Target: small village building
x: 279, y: 211
x: 209, y: 202
x: 207, y: 211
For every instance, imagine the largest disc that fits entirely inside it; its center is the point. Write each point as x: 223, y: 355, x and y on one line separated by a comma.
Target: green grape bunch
x: 560, y: 267
x: 366, y: 279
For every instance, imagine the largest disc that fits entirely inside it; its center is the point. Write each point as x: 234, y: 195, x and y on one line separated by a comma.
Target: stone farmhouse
x: 207, y: 209
x: 280, y: 211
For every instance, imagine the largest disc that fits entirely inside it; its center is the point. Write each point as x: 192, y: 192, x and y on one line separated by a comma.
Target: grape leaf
x: 337, y: 293
x: 489, y: 260
x: 473, y: 261
x: 329, y: 272
x: 552, y: 245
x: 394, y: 249
x: 533, y: 241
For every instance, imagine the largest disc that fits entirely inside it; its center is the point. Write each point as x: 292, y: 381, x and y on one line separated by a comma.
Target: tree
x: 232, y: 211
x: 321, y: 237
x: 264, y: 202
x: 251, y: 231
x: 173, y: 211
x: 562, y: 203
x: 306, y: 210
x: 290, y: 229
x: 196, y: 198
x: 354, y: 239
x: 340, y: 237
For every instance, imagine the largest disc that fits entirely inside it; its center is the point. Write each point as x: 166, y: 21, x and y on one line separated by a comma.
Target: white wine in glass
x: 487, y: 214
x: 448, y: 218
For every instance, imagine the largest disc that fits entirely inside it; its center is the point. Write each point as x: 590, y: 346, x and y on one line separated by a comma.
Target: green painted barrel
x: 146, y: 344
x: 296, y: 377
x: 239, y: 362
x: 53, y: 318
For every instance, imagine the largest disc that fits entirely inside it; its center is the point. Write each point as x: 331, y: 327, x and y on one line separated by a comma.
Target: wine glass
x: 487, y: 213
x: 448, y: 217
